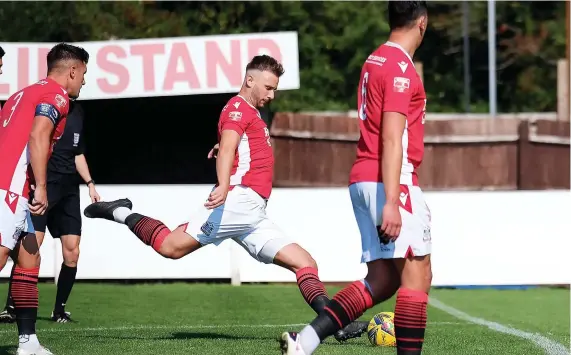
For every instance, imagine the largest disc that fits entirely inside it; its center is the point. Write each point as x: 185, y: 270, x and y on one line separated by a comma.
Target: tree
x: 334, y: 40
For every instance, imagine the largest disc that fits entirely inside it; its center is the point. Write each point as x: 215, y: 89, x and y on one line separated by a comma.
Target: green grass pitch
x: 220, y: 319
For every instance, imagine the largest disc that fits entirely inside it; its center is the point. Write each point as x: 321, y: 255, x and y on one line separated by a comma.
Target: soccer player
x: 393, y: 218
x: 63, y: 216
x: 32, y: 119
x: 236, y: 207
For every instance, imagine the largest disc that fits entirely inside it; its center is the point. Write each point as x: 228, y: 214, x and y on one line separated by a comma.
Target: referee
x: 63, y: 218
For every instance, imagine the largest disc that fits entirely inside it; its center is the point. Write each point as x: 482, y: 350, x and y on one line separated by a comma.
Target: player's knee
x: 71, y: 256
x: 170, y: 251
x: 417, y: 276
x: 28, y: 261
x: 289, y: 255
x: 303, y: 260
x: 309, y: 261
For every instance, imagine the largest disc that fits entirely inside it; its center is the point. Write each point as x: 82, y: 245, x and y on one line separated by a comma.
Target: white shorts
x: 368, y: 199
x: 241, y: 218
x: 14, y: 218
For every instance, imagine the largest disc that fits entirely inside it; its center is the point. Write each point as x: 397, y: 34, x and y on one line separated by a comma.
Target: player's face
x: 76, y: 79
x: 266, y: 85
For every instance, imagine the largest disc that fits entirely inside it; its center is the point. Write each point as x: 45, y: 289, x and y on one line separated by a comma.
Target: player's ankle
x: 28, y: 341
x: 309, y: 340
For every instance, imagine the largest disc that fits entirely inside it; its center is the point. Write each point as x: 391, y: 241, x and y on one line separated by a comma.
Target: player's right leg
x: 234, y: 218
x: 154, y: 233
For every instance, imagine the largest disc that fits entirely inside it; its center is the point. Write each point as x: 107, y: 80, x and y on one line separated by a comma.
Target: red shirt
x: 389, y: 83
x: 254, y: 162
x: 44, y: 98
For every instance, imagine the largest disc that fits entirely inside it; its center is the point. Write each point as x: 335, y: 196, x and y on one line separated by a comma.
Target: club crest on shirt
x: 61, y: 102
x: 235, y: 115
x: 401, y: 84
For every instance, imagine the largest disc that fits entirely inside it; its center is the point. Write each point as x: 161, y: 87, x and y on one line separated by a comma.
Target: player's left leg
x: 25, y: 294
x: 17, y: 234
x: 64, y: 222
x: 412, y: 251
x: 66, y: 279
x: 412, y: 299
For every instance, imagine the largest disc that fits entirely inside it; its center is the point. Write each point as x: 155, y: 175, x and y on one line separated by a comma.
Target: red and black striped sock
x: 25, y: 295
x: 410, y: 321
x: 349, y: 304
x: 312, y: 288
x: 148, y: 230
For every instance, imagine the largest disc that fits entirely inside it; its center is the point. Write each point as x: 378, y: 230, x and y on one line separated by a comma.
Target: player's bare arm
x: 39, y: 145
x: 393, y: 124
x: 229, y: 141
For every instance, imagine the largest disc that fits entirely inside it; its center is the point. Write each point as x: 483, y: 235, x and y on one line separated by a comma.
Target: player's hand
x: 213, y: 153
x: 217, y: 197
x: 93, y: 194
x: 39, y: 203
x: 390, y: 228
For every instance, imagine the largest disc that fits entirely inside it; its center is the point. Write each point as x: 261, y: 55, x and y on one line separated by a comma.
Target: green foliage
x: 334, y: 39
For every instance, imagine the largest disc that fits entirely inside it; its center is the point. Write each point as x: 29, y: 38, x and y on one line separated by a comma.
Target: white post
x: 235, y: 265
x: 492, y: 57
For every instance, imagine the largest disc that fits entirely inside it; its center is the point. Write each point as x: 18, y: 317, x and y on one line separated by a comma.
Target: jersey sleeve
x: 53, y: 106
x: 397, y: 92
x: 234, y: 119
x: 80, y: 146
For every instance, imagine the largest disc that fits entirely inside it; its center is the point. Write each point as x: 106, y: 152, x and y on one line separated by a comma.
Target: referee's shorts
x: 63, y: 216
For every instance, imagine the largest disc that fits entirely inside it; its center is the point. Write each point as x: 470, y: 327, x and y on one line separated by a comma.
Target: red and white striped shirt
x: 44, y: 98
x: 254, y: 162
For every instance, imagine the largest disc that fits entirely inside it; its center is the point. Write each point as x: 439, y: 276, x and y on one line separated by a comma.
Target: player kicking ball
x: 236, y: 207
x: 393, y: 218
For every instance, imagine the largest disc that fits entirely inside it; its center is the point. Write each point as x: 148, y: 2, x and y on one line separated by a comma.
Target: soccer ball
x: 381, y: 329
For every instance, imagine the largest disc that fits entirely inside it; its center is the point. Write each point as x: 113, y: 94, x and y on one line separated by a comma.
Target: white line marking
x: 551, y: 347
x: 182, y: 327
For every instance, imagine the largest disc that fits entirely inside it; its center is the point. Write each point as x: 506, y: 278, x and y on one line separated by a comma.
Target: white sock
x: 121, y: 213
x: 29, y: 341
x: 309, y: 339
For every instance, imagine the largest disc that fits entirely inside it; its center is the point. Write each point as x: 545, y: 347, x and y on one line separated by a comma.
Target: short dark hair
x: 2, y: 52
x: 62, y: 52
x: 403, y: 14
x: 266, y: 63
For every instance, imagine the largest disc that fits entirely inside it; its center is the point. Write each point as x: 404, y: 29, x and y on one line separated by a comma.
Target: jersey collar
x: 55, y: 83
x: 396, y: 45
x: 246, y: 101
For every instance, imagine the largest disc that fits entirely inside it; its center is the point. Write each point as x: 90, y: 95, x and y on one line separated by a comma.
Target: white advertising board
x: 479, y: 238
x: 159, y: 66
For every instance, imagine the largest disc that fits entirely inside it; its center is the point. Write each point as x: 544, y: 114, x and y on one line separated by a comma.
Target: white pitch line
x: 550, y: 347
x: 64, y: 328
